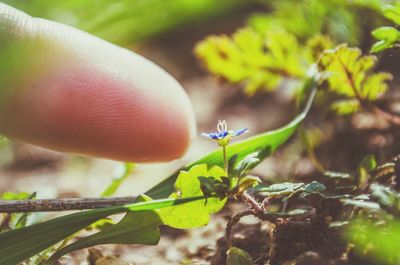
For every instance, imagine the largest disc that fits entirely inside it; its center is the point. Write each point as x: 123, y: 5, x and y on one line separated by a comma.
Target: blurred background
x: 166, y: 32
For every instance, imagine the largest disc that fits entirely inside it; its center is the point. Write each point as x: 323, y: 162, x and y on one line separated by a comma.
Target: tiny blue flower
x: 223, y: 135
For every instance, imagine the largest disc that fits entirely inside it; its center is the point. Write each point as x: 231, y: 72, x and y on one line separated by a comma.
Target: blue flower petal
x: 215, y: 135
x: 239, y: 132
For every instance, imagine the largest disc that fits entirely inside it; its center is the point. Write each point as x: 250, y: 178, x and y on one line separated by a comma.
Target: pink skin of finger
x: 80, y: 94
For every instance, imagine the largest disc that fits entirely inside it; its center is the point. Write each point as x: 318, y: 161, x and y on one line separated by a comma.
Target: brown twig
x: 232, y: 222
x: 389, y: 117
x: 67, y: 204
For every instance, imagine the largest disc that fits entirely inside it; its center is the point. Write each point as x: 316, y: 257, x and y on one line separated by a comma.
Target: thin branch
x: 233, y: 221
x: 388, y: 116
x: 67, y: 204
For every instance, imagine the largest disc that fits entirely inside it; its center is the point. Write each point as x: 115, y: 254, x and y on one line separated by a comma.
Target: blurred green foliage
x: 281, y: 45
x: 380, y: 242
x: 342, y: 20
x: 259, y: 61
x: 125, y: 21
x: 255, y: 60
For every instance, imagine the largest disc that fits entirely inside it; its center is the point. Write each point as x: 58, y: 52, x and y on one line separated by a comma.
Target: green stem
x: 225, y: 159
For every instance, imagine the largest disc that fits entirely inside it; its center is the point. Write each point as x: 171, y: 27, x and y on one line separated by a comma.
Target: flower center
x: 222, y: 126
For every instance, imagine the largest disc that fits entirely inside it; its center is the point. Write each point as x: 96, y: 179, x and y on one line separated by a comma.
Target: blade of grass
x: 20, y: 244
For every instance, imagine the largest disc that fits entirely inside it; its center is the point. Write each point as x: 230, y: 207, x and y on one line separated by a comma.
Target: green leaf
x: 387, y: 37
x: 266, y: 142
x: 366, y: 166
x: 244, y: 165
x: 385, y: 196
x: 134, y: 228
x: 22, y: 218
x: 284, y: 188
x: 196, y: 213
x: 314, y: 187
x: 372, y: 206
x: 368, y: 163
x: 338, y: 175
x: 392, y: 12
x: 237, y: 256
x: 20, y: 244
x: 386, y: 33
x: 15, y: 196
x: 349, y: 75
x: 247, y: 182
x: 317, y: 45
x: 122, y: 172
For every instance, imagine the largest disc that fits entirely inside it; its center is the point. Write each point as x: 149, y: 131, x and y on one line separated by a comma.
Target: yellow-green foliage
x: 349, y: 75
x: 340, y: 19
x: 388, y: 37
x: 251, y: 59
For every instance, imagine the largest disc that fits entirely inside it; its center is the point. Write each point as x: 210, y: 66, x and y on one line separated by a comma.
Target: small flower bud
x: 237, y: 256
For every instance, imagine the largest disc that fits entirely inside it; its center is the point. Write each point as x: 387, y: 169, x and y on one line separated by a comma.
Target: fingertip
x: 91, y: 97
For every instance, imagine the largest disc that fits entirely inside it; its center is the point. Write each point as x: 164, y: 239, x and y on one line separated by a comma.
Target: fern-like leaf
x: 253, y: 60
x: 349, y: 75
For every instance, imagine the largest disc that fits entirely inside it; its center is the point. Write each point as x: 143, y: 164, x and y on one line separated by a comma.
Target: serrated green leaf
x: 349, y: 75
x: 284, y: 188
x: 197, y: 213
x: 317, y: 45
x: 247, y: 163
x: 255, y: 60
